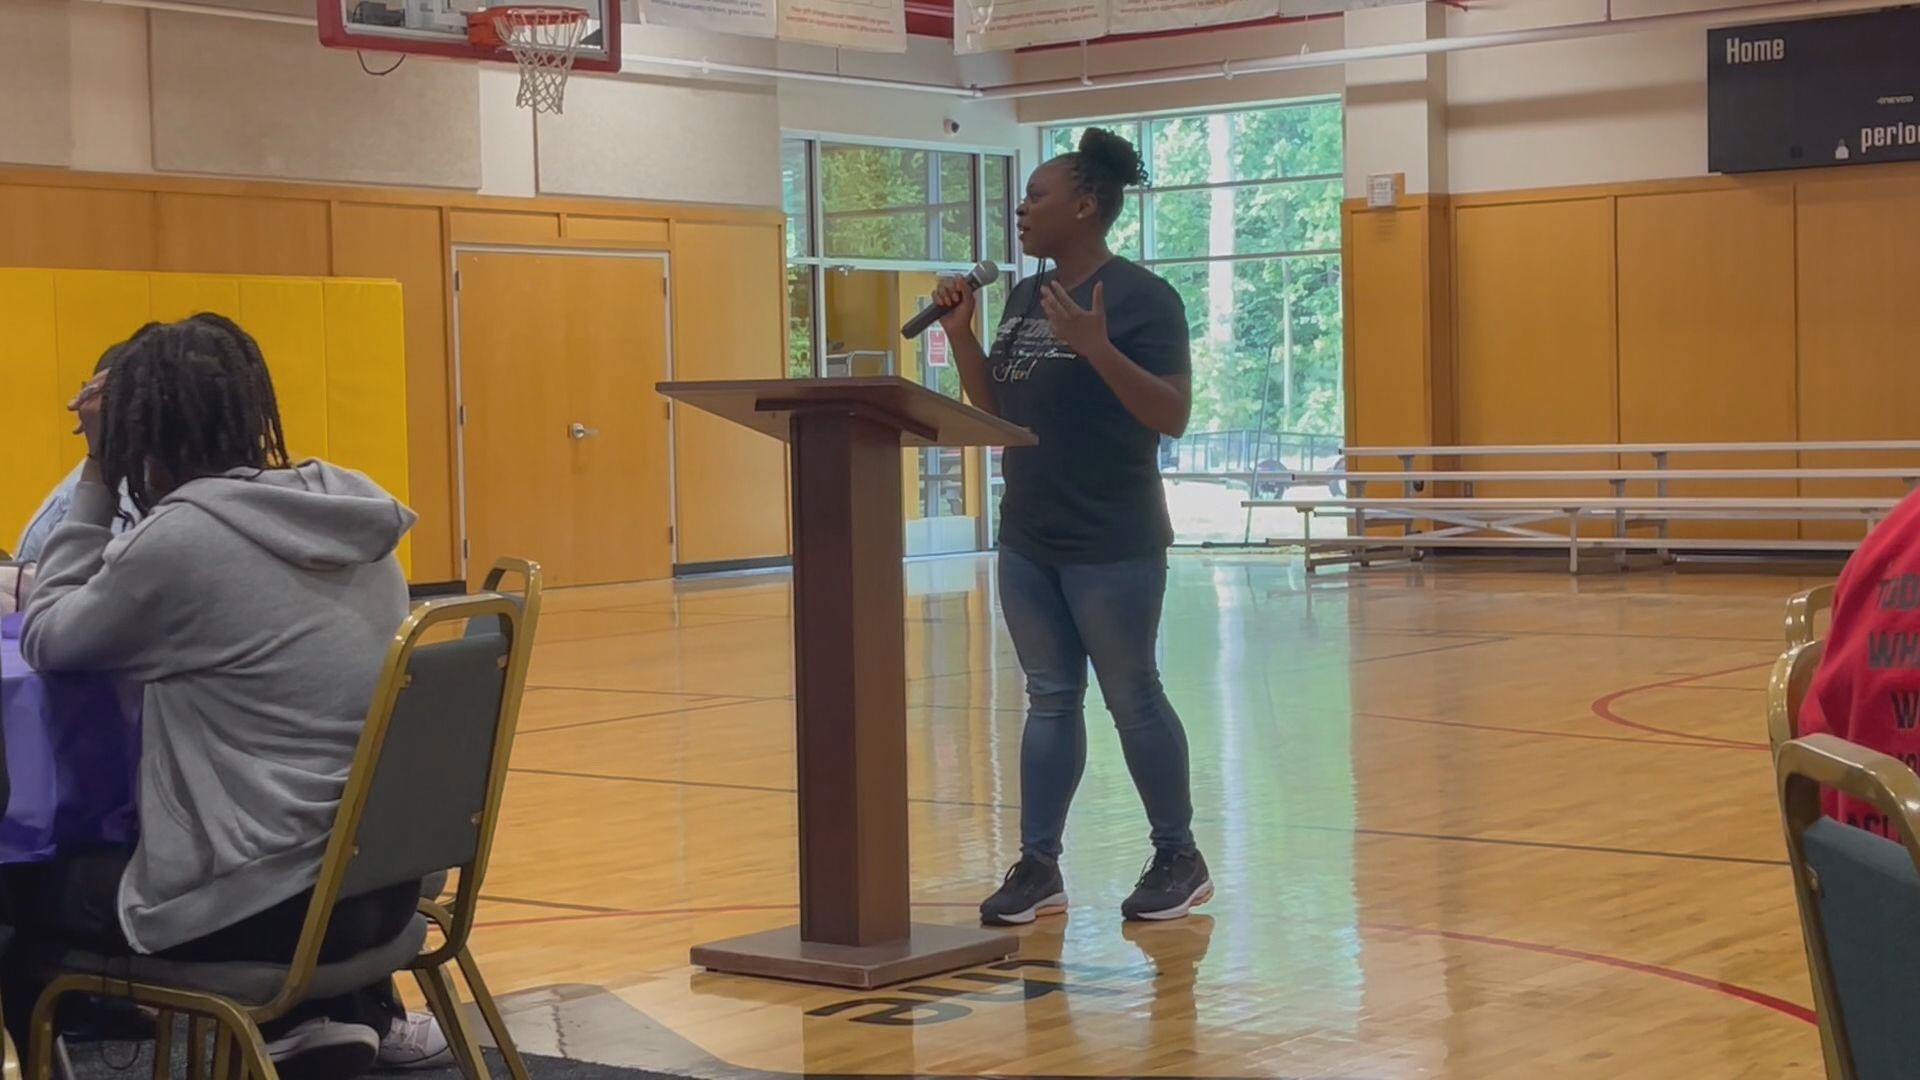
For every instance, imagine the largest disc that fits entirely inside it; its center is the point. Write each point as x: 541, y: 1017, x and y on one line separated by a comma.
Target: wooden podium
x: 849, y: 670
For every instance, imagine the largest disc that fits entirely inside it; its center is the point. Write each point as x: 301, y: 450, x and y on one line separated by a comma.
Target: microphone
x: 983, y: 274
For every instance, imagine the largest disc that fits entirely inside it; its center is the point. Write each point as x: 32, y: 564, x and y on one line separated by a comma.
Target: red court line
x: 1603, y: 707
x: 1744, y: 993
x: 1734, y: 990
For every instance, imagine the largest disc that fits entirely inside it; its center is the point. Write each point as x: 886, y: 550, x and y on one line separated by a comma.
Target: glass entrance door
x: 940, y: 495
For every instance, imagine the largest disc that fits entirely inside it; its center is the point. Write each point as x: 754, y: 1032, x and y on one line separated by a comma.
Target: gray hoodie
x: 257, y: 609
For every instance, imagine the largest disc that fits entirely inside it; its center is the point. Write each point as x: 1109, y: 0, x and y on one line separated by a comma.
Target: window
x: 883, y: 202
x: 870, y: 230
x: 1242, y: 216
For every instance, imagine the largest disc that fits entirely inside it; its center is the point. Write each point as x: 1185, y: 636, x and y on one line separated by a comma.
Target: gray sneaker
x: 1032, y: 888
x: 324, y: 1050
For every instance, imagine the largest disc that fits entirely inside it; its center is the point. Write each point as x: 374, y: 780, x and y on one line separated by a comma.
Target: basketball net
x: 543, y: 41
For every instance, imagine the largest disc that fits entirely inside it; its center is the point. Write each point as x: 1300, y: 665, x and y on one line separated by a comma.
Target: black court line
x: 641, y: 633
x: 1410, y: 652
x: 605, y: 690
x: 556, y: 905
x: 1396, y: 834
x: 741, y: 615
x: 703, y: 706
x: 718, y: 785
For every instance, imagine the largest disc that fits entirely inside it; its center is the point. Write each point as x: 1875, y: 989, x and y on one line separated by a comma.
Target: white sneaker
x: 415, y: 1041
x: 322, y: 1049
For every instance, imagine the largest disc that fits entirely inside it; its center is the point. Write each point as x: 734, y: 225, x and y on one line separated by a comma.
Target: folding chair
x: 444, y: 710
x: 1859, y: 898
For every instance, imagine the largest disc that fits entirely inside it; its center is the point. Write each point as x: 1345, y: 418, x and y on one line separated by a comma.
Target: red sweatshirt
x: 1867, y: 689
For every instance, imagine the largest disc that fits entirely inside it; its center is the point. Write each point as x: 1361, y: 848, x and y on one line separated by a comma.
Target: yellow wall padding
x: 336, y: 348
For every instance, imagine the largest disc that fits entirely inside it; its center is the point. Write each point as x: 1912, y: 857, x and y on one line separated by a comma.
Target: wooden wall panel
x: 76, y: 228
x: 495, y: 227
x: 728, y: 313
x: 1386, y: 285
x: 1534, y: 332
x: 1706, y: 328
x: 229, y: 234
x: 1859, y: 255
x: 638, y: 232
x: 404, y: 244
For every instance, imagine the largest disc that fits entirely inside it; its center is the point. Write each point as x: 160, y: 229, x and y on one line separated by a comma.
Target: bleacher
x: 1416, y: 517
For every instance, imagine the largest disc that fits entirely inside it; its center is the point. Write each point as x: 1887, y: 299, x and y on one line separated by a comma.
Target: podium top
x: 924, y: 417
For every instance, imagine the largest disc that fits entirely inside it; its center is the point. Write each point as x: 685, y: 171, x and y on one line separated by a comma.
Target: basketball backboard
x: 440, y: 28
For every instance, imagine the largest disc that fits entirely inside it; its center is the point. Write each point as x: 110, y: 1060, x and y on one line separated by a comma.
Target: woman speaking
x: 1092, y: 357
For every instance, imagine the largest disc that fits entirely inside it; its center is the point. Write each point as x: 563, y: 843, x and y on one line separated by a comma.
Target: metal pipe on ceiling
x: 1219, y: 69
x: 1230, y: 69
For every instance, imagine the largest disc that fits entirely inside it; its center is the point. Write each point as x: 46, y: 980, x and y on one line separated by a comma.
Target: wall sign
x: 750, y: 18
x: 874, y: 25
x: 1833, y: 91
x: 1147, y: 16
x: 992, y: 25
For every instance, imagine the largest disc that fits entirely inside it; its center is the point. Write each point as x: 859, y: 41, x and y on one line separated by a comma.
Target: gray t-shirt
x: 1090, y: 491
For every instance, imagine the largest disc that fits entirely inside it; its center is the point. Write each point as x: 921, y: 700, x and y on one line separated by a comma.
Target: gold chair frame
x: 455, y: 916
x: 1787, y: 690
x: 1802, y: 607
x: 239, y: 1052
x: 1803, y: 767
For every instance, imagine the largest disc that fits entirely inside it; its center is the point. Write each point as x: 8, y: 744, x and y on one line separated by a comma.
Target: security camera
x: 950, y: 126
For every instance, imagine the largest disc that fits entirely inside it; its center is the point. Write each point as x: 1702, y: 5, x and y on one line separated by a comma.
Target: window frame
x: 1147, y: 124
x: 816, y: 264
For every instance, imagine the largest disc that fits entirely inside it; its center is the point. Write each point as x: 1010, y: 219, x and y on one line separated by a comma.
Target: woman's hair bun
x: 1113, y: 156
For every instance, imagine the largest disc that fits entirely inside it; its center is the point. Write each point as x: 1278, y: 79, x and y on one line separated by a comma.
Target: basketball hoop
x: 543, y: 40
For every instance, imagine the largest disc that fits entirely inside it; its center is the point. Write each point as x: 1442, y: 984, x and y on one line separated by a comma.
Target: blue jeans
x: 1061, y: 617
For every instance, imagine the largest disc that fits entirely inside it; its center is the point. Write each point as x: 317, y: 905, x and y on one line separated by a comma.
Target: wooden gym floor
x: 1465, y: 822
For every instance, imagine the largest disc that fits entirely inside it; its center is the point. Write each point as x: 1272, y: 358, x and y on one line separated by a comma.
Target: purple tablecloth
x: 73, y: 755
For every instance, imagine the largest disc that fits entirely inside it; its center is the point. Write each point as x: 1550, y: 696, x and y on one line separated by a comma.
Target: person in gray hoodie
x: 254, y: 598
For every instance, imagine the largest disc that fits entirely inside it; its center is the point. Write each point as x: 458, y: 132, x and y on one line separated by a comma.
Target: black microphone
x: 983, y: 274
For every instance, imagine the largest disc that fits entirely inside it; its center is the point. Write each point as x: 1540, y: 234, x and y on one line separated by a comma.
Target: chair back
x: 1787, y: 690
x: 528, y: 597
x: 424, y: 791
x: 1803, y: 608
x: 1859, y: 898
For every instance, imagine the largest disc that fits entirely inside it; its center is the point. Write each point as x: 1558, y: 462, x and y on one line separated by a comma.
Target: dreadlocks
x: 185, y: 400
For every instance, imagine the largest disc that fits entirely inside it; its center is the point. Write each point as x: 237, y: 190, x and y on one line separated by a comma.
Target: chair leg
x: 198, y: 1028
x: 240, y: 1042
x: 163, y: 1045
x: 446, y: 1008
x: 490, y: 1012
x: 40, y: 1036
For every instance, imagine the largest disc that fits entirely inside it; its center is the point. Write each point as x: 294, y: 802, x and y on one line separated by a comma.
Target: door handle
x: 581, y: 431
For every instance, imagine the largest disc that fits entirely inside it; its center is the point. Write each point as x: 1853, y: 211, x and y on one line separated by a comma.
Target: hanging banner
x: 1148, y: 16
x: 748, y: 18
x: 873, y: 25
x: 991, y: 25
